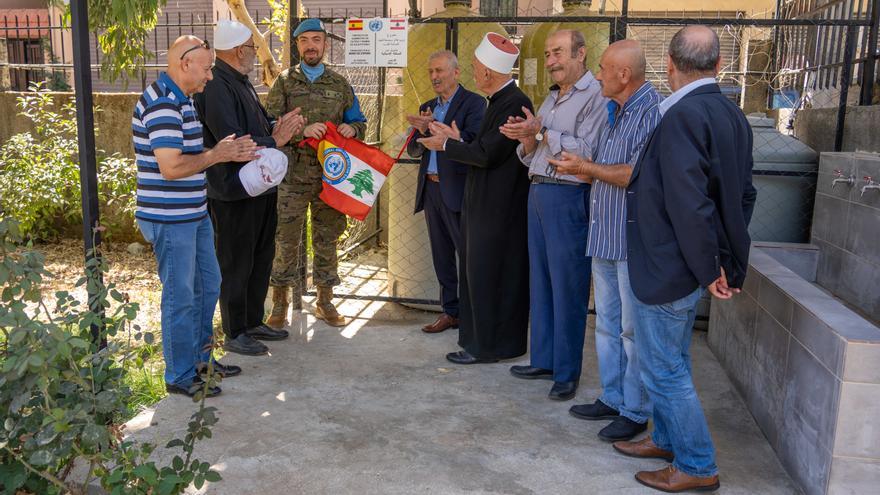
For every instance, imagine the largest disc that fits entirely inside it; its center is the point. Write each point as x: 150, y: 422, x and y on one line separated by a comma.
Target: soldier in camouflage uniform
x: 324, y: 96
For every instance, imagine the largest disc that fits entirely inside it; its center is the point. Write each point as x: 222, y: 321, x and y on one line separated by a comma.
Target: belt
x: 541, y: 179
x: 433, y: 177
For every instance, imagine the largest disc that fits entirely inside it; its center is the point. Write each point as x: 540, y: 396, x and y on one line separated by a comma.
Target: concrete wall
x: 808, y: 369
x: 846, y: 227
x: 816, y: 128
x: 112, y: 122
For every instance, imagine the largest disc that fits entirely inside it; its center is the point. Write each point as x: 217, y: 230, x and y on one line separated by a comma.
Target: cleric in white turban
x: 494, y: 281
x: 242, y: 198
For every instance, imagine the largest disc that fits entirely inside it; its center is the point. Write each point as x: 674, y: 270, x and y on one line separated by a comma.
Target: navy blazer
x: 690, y: 199
x: 466, y: 109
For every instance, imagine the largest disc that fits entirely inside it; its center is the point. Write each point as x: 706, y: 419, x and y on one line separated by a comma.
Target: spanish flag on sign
x: 356, y: 25
x: 353, y: 172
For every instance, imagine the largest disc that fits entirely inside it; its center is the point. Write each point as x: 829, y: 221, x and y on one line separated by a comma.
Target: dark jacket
x: 229, y: 105
x: 690, y: 199
x: 466, y: 109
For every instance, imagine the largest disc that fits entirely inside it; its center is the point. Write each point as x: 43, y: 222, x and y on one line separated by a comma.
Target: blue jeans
x: 618, y: 361
x: 190, y: 279
x: 663, y: 338
x: 559, y: 277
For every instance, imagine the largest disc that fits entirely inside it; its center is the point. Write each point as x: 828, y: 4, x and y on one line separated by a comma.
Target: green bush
x: 63, y: 394
x: 39, y: 173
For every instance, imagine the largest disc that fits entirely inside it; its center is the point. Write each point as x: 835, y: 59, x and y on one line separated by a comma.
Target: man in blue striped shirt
x: 633, y: 113
x: 172, y: 209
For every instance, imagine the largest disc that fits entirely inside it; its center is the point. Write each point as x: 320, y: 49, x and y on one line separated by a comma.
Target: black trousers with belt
x: 444, y: 234
x: 244, y: 234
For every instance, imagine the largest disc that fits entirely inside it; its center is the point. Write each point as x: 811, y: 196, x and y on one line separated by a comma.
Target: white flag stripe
x: 348, y: 188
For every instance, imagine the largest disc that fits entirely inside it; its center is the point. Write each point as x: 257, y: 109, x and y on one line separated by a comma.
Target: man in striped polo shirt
x: 633, y: 113
x: 172, y: 209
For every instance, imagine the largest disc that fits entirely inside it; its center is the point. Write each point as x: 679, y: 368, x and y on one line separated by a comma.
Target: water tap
x: 850, y: 181
x: 869, y: 184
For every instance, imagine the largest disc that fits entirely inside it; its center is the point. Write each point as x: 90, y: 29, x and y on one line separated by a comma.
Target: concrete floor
x: 375, y: 408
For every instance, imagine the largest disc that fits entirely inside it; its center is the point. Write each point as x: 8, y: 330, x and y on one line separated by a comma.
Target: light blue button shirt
x: 439, y: 115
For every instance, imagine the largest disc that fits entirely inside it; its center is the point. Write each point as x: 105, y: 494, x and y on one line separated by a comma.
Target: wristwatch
x: 540, y: 135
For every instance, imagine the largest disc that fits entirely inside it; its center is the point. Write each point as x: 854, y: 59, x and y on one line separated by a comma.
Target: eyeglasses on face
x: 203, y: 44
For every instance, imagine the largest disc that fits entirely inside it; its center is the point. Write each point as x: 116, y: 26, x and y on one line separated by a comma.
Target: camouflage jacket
x: 324, y: 100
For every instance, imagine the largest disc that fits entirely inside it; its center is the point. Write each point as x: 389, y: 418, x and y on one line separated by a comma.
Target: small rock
x: 136, y: 248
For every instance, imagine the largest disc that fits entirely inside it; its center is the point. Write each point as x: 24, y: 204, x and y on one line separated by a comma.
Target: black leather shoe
x: 265, y: 332
x: 463, y: 357
x: 530, y: 373
x: 621, y: 428
x: 196, y: 385
x: 225, y: 370
x: 563, y: 390
x: 245, y: 344
x: 594, y: 411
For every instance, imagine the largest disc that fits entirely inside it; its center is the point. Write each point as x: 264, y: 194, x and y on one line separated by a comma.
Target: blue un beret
x: 309, y: 25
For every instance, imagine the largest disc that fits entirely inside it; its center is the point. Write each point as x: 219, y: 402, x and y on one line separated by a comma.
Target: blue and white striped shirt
x: 164, y: 117
x: 620, y: 142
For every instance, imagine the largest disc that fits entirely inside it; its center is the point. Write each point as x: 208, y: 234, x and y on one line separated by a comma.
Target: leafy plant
x: 122, y: 27
x: 39, y: 172
x: 63, y: 391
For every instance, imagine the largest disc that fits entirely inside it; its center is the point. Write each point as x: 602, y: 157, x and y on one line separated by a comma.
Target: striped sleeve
x: 164, y: 123
x: 650, y: 119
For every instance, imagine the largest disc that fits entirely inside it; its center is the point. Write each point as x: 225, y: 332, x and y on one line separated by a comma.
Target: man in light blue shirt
x: 441, y: 181
x: 559, y: 273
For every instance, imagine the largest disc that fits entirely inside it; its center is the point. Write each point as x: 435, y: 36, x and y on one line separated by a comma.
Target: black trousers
x: 444, y: 234
x: 244, y: 235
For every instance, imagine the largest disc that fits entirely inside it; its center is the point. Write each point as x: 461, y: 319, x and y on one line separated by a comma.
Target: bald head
x: 627, y: 54
x: 189, y: 63
x: 695, y: 50
x: 182, y: 48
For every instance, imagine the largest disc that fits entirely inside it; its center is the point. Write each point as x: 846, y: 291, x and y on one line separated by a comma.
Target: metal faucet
x: 850, y: 181
x: 869, y: 184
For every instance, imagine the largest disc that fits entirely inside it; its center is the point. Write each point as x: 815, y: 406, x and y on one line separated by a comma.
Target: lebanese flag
x: 353, y: 172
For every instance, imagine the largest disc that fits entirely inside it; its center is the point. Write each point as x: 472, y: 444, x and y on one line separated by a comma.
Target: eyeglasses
x: 203, y: 44
x: 251, y: 46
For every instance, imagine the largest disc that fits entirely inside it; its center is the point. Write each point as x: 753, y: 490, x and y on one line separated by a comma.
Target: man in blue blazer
x: 689, y: 203
x: 441, y: 181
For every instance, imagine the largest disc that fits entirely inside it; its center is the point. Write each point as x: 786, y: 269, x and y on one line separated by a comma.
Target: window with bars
x: 498, y: 8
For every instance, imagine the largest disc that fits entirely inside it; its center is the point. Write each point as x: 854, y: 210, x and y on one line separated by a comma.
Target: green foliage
x: 122, y: 27
x: 39, y: 175
x: 62, y: 392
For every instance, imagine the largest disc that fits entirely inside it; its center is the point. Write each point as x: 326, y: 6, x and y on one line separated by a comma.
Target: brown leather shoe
x: 643, y: 448
x: 671, y: 480
x: 443, y: 322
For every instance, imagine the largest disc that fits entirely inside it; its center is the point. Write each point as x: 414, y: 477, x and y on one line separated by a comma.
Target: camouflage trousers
x: 297, y: 194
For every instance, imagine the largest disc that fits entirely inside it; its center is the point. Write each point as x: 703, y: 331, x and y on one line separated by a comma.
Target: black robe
x: 494, y: 265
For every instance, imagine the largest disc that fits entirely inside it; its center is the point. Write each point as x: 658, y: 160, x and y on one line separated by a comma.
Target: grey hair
x: 453, y: 60
x: 692, y: 53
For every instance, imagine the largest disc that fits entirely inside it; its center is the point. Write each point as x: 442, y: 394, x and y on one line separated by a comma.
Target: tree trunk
x: 271, y: 69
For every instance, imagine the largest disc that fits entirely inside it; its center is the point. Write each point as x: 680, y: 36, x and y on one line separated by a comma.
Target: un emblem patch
x: 375, y: 25
x: 337, y: 165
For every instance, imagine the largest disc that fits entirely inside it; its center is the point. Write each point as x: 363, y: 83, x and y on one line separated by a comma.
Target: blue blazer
x: 690, y: 199
x: 467, y: 109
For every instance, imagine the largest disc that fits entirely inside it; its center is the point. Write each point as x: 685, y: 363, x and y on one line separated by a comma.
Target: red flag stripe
x: 343, y: 203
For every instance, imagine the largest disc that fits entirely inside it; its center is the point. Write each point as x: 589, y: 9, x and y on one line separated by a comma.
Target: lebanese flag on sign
x: 353, y: 172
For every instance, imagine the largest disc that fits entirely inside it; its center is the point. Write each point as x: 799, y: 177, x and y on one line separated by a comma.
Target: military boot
x: 280, y: 305
x: 326, y: 310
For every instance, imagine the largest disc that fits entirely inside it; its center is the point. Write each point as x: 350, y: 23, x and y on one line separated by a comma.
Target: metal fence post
x: 85, y: 127
x: 845, y: 81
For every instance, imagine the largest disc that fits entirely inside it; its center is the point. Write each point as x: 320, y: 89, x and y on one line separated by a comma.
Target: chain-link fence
x: 772, y: 68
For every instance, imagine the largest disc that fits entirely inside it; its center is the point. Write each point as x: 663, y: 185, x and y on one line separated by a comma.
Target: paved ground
x: 375, y: 409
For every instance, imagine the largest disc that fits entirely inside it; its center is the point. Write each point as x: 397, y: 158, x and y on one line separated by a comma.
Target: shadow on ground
x: 374, y: 408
